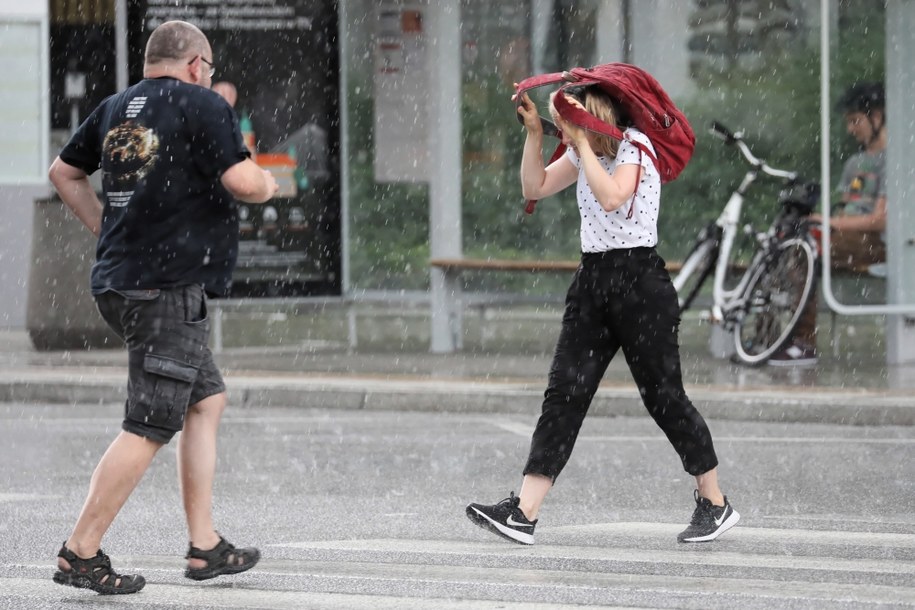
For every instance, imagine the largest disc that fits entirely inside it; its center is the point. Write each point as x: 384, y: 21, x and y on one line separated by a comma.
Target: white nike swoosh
x: 514, y: 523
x: 720, y: 520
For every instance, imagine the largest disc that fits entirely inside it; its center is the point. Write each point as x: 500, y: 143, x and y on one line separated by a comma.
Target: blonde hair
x: 601, y: 105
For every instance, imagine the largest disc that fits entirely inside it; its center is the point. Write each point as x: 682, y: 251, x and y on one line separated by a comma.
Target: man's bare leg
x: 197, y: 470
x: 116, y: 476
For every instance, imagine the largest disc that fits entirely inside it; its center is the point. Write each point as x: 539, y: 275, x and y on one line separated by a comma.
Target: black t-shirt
x: 162, y: 146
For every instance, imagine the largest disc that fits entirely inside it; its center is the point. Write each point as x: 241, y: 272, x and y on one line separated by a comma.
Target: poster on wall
x: 400, y: 92
x: 277, y: 62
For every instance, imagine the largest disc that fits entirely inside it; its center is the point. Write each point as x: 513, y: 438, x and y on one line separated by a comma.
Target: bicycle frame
x: 767, y: 302
x: 723, y: 299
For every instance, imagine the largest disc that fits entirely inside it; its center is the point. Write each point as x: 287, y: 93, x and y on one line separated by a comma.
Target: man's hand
x: 272, y: 186
x: 248, y: 182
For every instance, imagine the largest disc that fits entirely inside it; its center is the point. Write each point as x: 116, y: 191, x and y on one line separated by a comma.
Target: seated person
x: 856, y: 228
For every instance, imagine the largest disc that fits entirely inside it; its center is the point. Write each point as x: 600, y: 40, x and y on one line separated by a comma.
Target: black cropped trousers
x: 620, y: 299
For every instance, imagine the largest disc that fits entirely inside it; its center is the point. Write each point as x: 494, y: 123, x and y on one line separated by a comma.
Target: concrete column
x: 541, y: 17
x: 444, y: 44
x: 660, y: 33
x: 900, y: 169
x: 610, y: 32
x: 23, y: 175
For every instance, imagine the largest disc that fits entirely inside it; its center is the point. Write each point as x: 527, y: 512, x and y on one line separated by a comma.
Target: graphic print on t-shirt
x: 862, y: 182
x: 861, y: 193
x: 129, y: 152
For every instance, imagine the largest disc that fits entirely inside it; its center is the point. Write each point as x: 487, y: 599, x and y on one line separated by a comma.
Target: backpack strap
x: 542, y: 80
x: 583, y: 119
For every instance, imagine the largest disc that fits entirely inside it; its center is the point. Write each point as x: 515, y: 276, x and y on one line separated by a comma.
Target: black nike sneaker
x: 709, y: 521
x: 505, y: 519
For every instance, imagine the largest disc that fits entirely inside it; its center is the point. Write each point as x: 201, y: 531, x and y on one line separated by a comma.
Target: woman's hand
x: 576, y: 134
x: 528, y: 111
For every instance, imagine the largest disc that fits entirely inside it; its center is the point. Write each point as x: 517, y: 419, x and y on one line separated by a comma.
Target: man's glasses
x: 207, y: 62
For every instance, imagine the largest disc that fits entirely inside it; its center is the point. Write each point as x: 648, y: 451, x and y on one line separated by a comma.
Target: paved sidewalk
x: 853, y: 386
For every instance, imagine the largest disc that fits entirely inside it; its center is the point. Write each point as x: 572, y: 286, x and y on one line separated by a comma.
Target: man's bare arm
x: 73, y: 186
x: 248, y: 182
x: 875, y: 221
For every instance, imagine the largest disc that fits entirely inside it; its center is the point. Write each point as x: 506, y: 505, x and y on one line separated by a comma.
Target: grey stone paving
x: 356, y: 509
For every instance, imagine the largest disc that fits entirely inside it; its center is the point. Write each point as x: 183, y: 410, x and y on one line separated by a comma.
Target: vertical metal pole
x: 825, y: 168
x: 120, y: 44
x: 900, y: 182
x: 45, y: 144
x: 343, y: 20
x: 445, y: 169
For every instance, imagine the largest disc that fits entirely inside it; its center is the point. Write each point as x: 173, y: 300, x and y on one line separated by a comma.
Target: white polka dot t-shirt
x: 602, y: 231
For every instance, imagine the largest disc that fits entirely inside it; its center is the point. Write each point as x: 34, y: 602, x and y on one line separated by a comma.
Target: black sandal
x: 224, y: 558
x: 95, y: 573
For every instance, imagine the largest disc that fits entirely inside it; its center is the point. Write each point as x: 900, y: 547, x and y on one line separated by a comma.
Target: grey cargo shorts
x: 170, y: 365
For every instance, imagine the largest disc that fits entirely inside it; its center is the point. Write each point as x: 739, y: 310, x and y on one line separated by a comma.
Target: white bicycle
x: 762, y: 304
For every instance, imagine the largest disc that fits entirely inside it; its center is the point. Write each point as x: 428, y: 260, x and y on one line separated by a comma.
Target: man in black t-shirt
x: 173, y: 162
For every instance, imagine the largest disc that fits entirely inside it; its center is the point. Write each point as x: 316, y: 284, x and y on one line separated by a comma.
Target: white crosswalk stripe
x: 26, y: 591
x: 613, y: 565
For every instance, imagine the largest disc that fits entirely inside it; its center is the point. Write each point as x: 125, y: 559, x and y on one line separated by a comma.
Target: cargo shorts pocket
x: 168, y: 384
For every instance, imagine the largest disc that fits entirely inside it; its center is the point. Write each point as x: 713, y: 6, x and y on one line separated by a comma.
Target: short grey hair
x: 173, y: 41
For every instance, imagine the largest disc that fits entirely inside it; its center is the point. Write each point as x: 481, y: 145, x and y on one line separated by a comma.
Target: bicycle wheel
x: 695, y: 270
x: 774, y: 300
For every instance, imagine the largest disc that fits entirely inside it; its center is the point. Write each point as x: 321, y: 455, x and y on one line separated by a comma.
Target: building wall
x: 16, y: 203
x: 17, y: 7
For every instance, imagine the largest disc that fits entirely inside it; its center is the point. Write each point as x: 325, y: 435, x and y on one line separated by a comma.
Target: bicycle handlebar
x: 720, y: 131
x: 736, y: 138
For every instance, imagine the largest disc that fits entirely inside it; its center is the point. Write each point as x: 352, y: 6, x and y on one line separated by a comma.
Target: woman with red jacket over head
x: 621, y: 298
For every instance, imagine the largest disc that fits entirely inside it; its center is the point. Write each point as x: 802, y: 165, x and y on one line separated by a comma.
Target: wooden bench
x: 485, y: 304
x: 532, y: 266
x: 453, y: 267
x: 844, y: 277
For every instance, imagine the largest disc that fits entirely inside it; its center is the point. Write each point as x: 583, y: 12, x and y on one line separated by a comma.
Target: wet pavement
x: 356, y: 509
x: 350, y: 469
